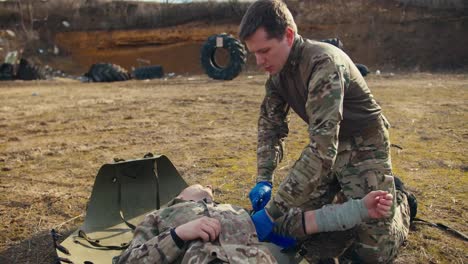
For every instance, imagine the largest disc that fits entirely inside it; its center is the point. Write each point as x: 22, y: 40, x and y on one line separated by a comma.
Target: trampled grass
x: 56, y: 134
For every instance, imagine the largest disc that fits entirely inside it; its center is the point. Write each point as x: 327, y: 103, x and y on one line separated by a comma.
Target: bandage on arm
x: 336, y: 217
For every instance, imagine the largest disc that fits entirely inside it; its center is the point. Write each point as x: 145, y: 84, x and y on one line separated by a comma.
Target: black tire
x: 107, y: 72
x: 148, y: 72
x: 237, y: 57
x: 28, y: 72
x: 362, y: 69
x: 7, y: 72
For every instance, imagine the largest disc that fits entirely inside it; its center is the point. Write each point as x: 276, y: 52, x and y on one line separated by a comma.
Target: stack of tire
x: 148, y: 72
x: 7, y: 72
x: 237, y: 56
x: 109, y: 72
x: 26, y: 71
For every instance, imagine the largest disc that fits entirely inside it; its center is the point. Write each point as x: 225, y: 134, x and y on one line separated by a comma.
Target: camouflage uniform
x: 237, y: 242
x: 348, y: 149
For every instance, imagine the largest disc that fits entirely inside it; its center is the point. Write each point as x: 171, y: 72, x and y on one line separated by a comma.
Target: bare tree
x: 25, y: 8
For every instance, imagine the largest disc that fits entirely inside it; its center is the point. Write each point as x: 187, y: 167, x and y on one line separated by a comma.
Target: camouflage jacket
x: 237, y: 242
x: 324, y: 87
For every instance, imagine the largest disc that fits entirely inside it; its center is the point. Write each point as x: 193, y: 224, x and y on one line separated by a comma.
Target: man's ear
x: 290, y: 34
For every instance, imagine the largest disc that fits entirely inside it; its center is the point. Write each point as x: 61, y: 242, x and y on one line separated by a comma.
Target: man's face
x: 271, y: 53
x: 197, y: 192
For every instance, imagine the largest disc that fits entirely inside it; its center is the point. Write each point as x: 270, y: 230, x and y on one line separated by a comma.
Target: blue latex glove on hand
x: 281, y: 241
x: 263, y: 224
x: 260, y: 195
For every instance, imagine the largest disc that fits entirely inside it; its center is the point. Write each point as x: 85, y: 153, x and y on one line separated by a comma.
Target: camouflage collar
x: 294, y: 55
x: 178, y: 200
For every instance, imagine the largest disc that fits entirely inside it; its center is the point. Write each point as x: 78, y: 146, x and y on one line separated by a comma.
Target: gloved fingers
x: 252, y: 196
x: 263, y: 202
x: 260, y: 195
x: 260, y: 204
x: 255, y: 204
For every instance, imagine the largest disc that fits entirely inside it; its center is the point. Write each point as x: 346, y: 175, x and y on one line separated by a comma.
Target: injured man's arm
x: 335, y: 217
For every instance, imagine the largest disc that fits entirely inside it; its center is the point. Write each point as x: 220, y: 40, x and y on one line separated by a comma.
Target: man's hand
x: 205, y: 228
x: 260, y: 195
x: 263, y: 224
x: 378, y: 204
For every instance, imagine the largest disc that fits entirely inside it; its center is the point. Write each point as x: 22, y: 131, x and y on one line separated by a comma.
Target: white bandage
x: 340, y: 217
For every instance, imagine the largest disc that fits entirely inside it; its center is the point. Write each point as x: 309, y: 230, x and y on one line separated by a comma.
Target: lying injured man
x: 195, y: 229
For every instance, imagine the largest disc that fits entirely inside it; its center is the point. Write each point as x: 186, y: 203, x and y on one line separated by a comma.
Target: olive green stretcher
x: 123, y: 193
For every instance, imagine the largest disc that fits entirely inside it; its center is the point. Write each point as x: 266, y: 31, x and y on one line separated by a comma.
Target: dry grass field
x: 55, y: 135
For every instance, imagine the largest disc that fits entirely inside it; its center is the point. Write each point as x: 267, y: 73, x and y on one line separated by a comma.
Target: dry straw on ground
x: 55, y: 135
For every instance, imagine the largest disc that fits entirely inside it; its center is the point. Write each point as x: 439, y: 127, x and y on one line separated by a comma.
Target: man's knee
x: 379, y: 241
x: 380, y: 254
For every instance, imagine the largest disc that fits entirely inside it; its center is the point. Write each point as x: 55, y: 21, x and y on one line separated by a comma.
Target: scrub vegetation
x: 55, y: 135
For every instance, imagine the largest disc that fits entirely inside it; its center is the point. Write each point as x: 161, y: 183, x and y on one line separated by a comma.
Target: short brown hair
x: 273, y: 15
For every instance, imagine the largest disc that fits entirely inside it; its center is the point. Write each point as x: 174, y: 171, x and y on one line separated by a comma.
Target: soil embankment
x: 385, y: 35
x: 177, y: 48
x: 397, y: 35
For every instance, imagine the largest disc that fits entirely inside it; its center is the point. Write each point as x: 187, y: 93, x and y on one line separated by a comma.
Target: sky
x: 186, y: 1
x: 170, y: 1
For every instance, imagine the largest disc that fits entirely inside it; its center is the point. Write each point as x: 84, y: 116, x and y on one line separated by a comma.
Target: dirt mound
x: 177, y: 48
x: 391, y: 34
x: 386, y: 35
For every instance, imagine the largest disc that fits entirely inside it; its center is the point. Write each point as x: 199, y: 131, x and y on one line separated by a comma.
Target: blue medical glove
x: 260, y: 195
x: 281, y: 241
x: 263, y: 224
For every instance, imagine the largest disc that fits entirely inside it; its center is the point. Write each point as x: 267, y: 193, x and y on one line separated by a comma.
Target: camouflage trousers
x: 362, y: 165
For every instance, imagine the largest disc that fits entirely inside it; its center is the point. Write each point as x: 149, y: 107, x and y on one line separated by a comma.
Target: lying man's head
x: 197, y: 192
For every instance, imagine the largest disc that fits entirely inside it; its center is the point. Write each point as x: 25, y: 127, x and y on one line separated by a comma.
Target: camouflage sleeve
x: 272, y: 129
x: 150, y: 246
x: 324, y: 108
